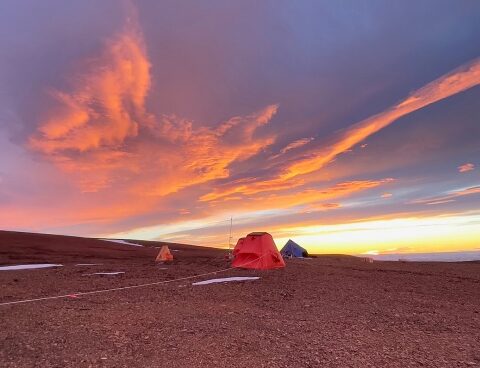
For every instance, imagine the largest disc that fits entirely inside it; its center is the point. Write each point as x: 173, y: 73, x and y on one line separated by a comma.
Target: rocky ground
x: 330, y: 311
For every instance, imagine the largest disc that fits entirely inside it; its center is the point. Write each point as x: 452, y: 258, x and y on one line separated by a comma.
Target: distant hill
x: 18, y: 247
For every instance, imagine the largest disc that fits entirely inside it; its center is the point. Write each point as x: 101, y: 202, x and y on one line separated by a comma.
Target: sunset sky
x: 350, y: 127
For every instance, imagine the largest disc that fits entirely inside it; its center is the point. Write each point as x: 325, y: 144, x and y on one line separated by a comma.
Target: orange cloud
x: 249, y: 186
x: 202, y: 154
x: 306, y: 201
x: 466, y: 167
x: 457, y: 81
x: 293, y: 145
x: 86, y: 134
x: 107, y: 103
x: 69, y: 212
x: 101, y: 133
x: 296, y: 144
x: 313, y: 197
x: 321, y: 207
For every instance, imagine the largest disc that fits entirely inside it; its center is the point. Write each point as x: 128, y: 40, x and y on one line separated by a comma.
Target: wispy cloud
x: 319, y: 207
x: 107, y: 103
x: 87, y: 131
x: 457, y: 81
x: 115, y: 163
x: 466, y: 167
x: 313, y: 198
x: 293, y: 145
x: 449, y: 196
x: 250, y: 186
x: 102, y: 134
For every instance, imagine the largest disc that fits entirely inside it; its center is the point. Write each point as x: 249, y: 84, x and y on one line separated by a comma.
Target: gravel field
x: 329, y: 311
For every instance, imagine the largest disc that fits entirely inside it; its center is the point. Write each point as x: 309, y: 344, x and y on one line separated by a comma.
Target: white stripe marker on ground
x: 104, y: 273
x: 119, y: 241
x: 29, y: 266
x: 226, y: 279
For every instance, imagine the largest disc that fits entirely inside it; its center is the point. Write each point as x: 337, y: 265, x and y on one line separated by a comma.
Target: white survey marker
x: 119, y: 241
x: 226, y: 279
x: 29, y: 266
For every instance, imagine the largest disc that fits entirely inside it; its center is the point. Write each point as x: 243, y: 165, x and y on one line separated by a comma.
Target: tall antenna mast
x: 230, y: 237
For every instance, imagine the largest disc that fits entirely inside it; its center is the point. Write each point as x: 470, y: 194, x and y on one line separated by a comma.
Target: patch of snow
x: 119, y: 241
x: 175, y: 250
x: 29, y: 266
x: 104, y: 273
x: 226, y: 279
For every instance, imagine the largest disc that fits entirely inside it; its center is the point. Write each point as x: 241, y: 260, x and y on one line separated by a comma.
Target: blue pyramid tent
x: 292, y: 249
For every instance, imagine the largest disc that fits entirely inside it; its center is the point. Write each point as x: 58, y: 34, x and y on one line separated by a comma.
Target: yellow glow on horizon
x: 369, y: 237
x: 433, y: 234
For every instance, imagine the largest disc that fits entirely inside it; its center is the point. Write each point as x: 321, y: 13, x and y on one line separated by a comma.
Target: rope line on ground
x: 75, y: 294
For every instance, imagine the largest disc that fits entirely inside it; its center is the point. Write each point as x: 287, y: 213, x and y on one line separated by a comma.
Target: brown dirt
x: 322, y: 312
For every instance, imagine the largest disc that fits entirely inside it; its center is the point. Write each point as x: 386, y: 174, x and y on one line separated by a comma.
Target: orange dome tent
x: 238, y: 246
x: 257, y: 251
x: 164, y: 255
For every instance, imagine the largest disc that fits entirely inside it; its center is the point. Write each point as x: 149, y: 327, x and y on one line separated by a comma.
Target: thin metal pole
x: 230, y: 237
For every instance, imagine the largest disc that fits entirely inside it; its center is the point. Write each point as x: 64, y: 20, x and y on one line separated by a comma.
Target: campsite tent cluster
x: 258, y: 251
x: 255, y: 251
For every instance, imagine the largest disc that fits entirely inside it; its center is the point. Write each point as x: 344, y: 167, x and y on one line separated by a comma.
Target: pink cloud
x: 466, y: 167
x: 101, y: 133
x: 314, y: 198
x: 102, y: 136
x: 293, y: 145
x: 459, y: 80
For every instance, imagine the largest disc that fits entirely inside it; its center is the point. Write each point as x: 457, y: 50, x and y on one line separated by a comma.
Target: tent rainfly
x: 292, y: 249
x: 164, y: 255
x: 257, y: 251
